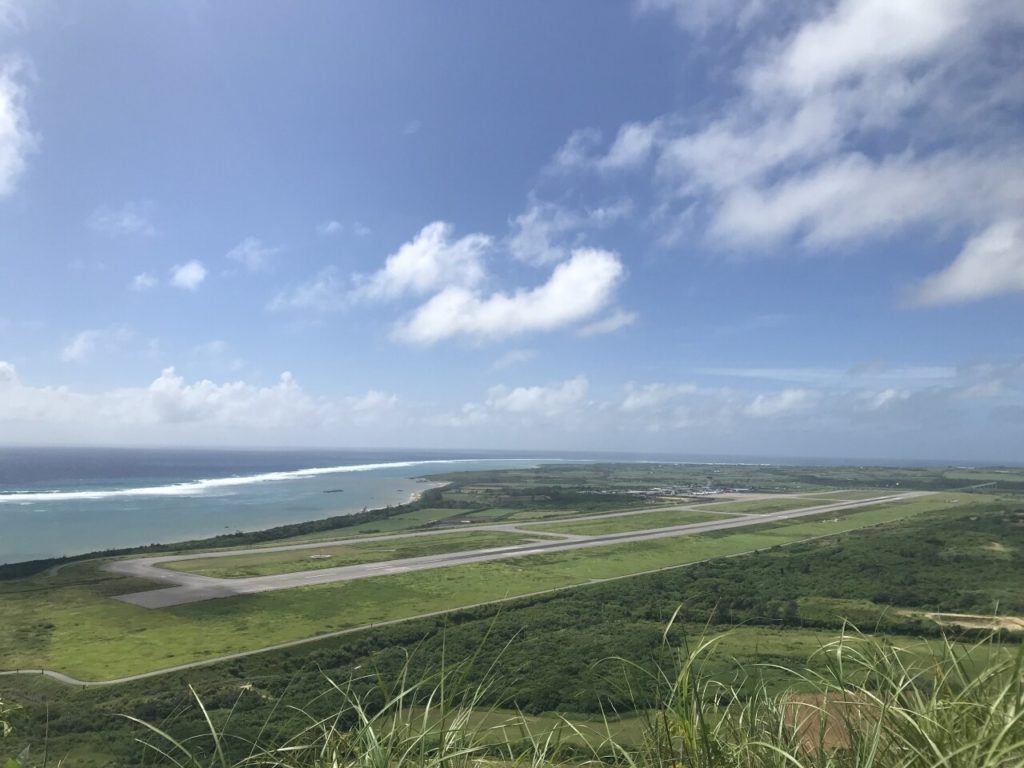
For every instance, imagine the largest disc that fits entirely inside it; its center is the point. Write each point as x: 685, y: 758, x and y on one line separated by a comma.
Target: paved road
x: 190, y: 588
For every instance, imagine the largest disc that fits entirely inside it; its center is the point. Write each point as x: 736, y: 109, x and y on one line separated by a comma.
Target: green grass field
x: 767, y: 506
x: 68, y: 623
x: 355, y: 553
x: 853, y: 495
x: 638, y: 522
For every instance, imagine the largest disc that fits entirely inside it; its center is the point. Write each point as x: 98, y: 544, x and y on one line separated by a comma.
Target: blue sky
x: 730, y: 227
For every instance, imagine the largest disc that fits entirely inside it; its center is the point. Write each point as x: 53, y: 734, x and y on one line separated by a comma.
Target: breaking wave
x: 198, y: 487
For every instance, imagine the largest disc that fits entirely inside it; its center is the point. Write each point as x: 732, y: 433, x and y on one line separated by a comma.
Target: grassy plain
x: 553, y: 652
x: 633, y: 522
x: 767, y: 506
x: 354, y: 553
x: 68, y: 623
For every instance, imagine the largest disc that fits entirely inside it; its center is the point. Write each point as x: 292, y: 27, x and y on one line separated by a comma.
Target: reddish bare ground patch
x: 822, y: 721
x: 978, y: 621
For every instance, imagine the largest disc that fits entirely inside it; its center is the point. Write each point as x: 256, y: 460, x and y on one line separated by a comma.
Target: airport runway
x: 190, y: 588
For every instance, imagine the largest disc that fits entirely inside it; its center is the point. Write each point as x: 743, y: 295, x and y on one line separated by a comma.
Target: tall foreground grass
x: 867, y: 705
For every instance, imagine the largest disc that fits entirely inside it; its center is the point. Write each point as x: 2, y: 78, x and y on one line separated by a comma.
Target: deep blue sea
x: 66, y: 501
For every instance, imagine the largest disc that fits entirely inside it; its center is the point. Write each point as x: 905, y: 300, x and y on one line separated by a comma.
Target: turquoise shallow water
x: 82, y: 506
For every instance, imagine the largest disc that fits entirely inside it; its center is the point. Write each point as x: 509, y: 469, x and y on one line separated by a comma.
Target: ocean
x: 68, y: 501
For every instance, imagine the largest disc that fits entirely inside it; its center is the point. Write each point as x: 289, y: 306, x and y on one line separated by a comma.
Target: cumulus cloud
x: 990, y: 264
x: 253, y: 254
x: 577, y: 289
x: 688, y: 416
x: 171, y: 408
x: 16, y: 138
x: 522, y: 406
x: 539, y: 401
x: 431, y: 260
x: 169, y: 399
x: 188, y: 275
x: 132, y: 218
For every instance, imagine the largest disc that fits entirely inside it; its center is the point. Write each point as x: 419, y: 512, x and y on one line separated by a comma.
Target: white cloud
x: 886, y: 398
x: 538, y: 401
x: 699, y: 16
x: 253, y: 254
x: 188, y: 275
x: 972, y: 410
x: 171, y: 409
x: 327, y: 292
x: 170, y: 400
x: 84, y: 345
x: 851, y: 120
x: 372, y: 405
x: 632, y: 147
x: 361, y: 229
x: 328, y: 228
x: 787, y: 401
x: 645, y: 397
x: 16, y: 138
x: 576, y: 290
x: 513, y: 357
x: 412, y: 128
x: 990, y: 264
x: 132, y: 218
x: 545, y: 232
x: 874, y: 372
x: 854, y: 197
x: 577, y: 152
x: 619, y: 319
x: 429, y: 261
x: 8, y: 374
x: 80, y: 348
x: 143, y: 282
x: 861, y: 38
x: 536, y: 234
x: 12, y: 14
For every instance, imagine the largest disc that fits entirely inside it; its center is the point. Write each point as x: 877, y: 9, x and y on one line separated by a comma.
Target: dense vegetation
x: 858, y: 702
x: 551, y: 653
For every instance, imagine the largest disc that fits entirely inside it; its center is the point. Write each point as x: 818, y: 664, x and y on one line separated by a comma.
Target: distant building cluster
x: 675, y: 490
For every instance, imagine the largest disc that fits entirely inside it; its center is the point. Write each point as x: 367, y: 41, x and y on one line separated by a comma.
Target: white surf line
x: 197, y: 487
x: 191, y: 588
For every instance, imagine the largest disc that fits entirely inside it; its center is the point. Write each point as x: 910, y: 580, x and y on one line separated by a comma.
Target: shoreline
x: 53, y: 565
